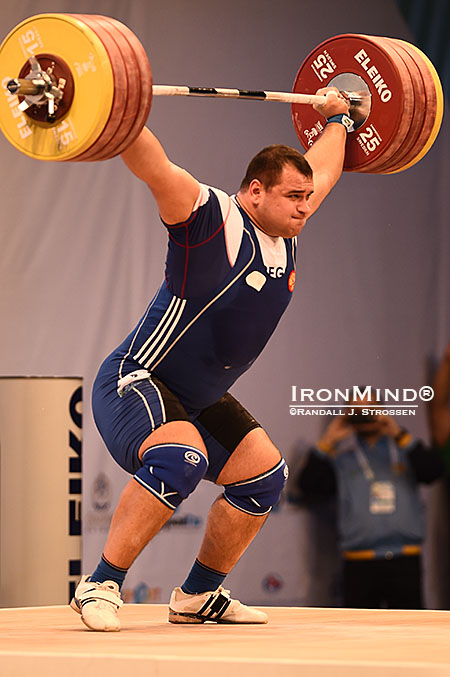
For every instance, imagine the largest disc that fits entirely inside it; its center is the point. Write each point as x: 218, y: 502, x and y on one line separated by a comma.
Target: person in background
x: 439, y: 409
x: 439, y: 429
x: 374, y: 466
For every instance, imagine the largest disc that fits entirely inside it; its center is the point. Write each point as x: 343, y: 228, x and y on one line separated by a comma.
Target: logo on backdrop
x: 188, y: 521
x: 101, y: 492
x: 99, y: 517
x: 141, y: 594
x: 272, y: 583
x: 75, y: 462
x: 335, y: 401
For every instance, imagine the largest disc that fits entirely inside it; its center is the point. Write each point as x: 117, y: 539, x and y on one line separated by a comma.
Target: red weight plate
x: 131, y: 109
x: 391, y: 95
x: 408, y: 107
x: 407, y: 151
x: 146, y: 83
x: 120, y: 88
x: 432, y: 107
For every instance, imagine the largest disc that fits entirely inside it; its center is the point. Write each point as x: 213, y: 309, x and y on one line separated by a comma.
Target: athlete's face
x: 282, y: 210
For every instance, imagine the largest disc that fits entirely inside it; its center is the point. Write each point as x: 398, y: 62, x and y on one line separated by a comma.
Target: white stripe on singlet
x: 147, y: 407
x: 161, y: 401
x: 136, y: 334
x: 234, y: 229
x: 230, y: 284
x: 150, y: 356
x: 294, y: 250
x: 165, y: 327
x: 233, y: 224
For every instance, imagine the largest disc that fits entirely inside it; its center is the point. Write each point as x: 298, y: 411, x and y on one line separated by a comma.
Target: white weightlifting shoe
x: 98, y: 604
x: 214, y: 606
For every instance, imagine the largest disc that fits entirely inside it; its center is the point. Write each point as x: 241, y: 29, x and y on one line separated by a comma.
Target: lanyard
x: 365, y: 466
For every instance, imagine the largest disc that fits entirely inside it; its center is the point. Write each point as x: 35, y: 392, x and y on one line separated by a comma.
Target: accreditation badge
x: 382, y: 498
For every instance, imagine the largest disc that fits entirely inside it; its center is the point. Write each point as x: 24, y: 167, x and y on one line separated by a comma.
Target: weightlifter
x: 160, y: 400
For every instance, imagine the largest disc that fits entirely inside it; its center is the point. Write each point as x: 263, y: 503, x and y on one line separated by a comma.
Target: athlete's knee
x: 258, y: 495
x: 171, y: 472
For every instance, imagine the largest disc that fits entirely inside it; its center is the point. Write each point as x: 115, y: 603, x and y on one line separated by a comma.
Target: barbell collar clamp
x: 26, y: 87
x: 38, y: 91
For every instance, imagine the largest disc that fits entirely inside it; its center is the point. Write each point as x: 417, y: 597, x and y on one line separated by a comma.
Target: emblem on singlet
x: 256, y: 280
x: 291, y: 281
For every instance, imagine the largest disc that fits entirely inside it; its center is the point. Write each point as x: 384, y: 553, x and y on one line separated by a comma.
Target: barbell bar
x: 35, y: 87
x: 92, y: 95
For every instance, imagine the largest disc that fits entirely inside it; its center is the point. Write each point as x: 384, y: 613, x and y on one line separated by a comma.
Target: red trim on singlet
x: 185, y: 223
x: 192, y: 216
x: 188, y: 246
x: 191, y: 246
x: 185, y: 263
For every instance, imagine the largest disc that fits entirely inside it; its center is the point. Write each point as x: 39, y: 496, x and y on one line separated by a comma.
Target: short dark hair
x: 268, y: 164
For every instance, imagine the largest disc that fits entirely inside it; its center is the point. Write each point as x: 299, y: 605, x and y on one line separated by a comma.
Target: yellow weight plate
x: 439, y: 112
x: 72, y: 40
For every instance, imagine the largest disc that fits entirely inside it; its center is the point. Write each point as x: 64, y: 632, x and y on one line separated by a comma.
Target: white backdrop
x: 82, y: 250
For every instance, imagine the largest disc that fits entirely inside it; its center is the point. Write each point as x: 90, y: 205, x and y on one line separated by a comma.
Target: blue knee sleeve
x: 258, y: 495
x: 171, y: 472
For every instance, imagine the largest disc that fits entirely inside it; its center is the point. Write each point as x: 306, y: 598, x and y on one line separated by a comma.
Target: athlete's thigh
x: 145, y: 414
x: 174, y: 432
x: 238, y: 448
x: 254, y: 455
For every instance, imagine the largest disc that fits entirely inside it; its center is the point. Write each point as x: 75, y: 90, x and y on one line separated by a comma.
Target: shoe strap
x: 104, y: 594
x: 216, y: 605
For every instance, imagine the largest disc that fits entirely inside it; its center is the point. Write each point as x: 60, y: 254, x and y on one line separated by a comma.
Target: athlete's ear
x: 255, y: 190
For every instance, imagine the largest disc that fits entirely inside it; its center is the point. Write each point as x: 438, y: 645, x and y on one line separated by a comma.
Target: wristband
x: 343, y: 120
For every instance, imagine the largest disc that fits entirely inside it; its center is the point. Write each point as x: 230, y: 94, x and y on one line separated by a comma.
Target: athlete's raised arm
x: 173, y: 188
x: 326, y: 155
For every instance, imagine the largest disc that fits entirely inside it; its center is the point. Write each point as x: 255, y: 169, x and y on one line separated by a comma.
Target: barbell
x: 79, y: 87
